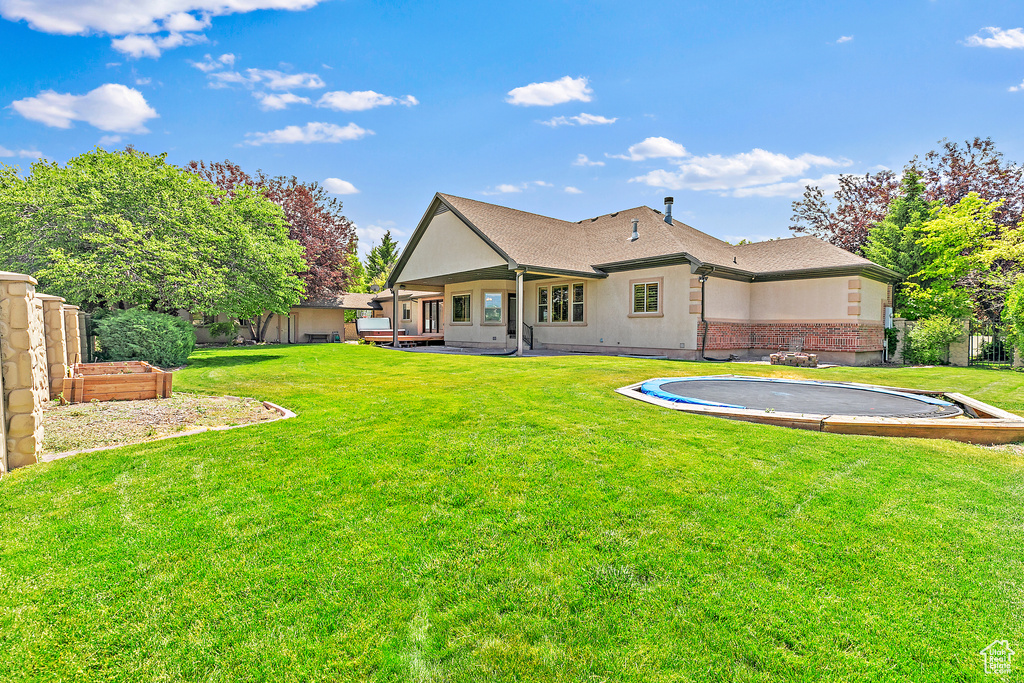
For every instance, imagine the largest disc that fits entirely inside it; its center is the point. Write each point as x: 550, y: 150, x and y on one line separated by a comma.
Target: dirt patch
x: 78, y: 426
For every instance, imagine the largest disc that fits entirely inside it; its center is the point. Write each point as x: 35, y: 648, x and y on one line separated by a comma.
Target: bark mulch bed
x: 80, y: 426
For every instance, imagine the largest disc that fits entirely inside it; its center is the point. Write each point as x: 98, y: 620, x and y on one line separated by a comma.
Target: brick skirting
x: 798, y: 336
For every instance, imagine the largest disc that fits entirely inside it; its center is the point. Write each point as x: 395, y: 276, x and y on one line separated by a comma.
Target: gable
x: 444, y: 246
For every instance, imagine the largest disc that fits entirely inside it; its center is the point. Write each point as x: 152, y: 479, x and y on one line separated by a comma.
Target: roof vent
x: 636, y: 232
x: 668, y: 210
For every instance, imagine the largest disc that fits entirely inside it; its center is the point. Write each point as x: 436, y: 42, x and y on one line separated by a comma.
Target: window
x: 577, y: 302
x: 560, y: 303
x: 645, y: 297
x: 492, y: 307
x: 406, y: 312
x: 460, y: 308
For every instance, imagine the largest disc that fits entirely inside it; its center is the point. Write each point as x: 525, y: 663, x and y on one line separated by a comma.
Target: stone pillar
x: 56, y: 344
x: 959, y: 351
x: 23, y: 358
x: 4, y: 468
x: 72, y: 336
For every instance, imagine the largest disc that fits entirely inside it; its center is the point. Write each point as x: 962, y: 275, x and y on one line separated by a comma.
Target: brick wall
x: 852, y: 337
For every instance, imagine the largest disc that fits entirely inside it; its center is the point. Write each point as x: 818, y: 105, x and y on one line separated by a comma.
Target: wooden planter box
x: 123, y: 381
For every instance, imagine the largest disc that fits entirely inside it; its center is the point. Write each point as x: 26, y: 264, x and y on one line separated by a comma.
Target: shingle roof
x: 795, y: 253
x: 585, y: 246
x: 352, y: 300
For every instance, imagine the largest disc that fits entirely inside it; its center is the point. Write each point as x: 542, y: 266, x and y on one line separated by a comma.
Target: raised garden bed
x: 121, y: 381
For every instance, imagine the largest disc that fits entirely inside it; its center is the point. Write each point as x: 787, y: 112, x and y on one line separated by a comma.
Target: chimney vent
x: 668, y: 210
x: 636, y: 232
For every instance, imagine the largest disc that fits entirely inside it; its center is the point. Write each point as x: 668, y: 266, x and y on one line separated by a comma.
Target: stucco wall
x: 316, y: 321
x: 818, y: 300
x: 726, y: 300
x: 448, y: 246
x: 476, y: 332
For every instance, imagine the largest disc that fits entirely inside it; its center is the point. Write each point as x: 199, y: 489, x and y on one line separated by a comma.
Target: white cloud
x: 754, y: 173
x: 108, y: 140
x: 110, y: 107
x: 508, y: 188
x: 653, y: 148
x: 1016, y: 88
x: 361, y: 100
x: 273, y: 102
x: 134, y: 18
x: 828, y: 183
x: 20, y: 153
x: 311, y: 132
x: 210, y: 64
x: 268, y: 78
x: 138, y: 46
x: 565, y: 89
x: 1012, y: 38
x: 183, y: 22
x: 373, y: 234
x: 579, y: 120
x: 573, y: 190
x: 583, y: 160
x: 339, y: 186
x: 143, y: 81
x: 844, y: 39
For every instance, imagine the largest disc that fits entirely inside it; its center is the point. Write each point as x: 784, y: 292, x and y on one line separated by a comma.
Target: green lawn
x: 441, y: 518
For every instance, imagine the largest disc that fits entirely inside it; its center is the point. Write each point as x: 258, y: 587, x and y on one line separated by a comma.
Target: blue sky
x: 569, y: 109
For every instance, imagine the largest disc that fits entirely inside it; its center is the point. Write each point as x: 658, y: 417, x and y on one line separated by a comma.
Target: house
x: 636, y: 282
x: 319, y: 319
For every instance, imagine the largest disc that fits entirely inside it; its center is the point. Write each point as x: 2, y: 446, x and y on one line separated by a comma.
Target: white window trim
x: 483, y: 307
x: 560, y: 283
x: 469, y: 309
x: 660, y: 313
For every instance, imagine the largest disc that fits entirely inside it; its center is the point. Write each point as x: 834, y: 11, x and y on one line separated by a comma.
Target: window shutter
x: 638, y: 298
x: 652, y: 297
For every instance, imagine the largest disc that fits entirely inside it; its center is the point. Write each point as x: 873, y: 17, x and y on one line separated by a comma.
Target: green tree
x: 381, y: 260
x: 893, y: 242
x: 961, y: 244
x: 126, y: 229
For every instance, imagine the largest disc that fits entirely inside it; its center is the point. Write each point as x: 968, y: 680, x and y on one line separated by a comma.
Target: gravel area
x: 79, y: 426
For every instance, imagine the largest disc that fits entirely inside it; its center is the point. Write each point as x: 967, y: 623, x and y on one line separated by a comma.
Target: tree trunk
x: 266, y: 324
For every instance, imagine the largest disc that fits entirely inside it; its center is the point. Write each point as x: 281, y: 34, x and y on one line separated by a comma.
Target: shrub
x: 928, y: 342
x: 138, y: 334
x: 892, y: 340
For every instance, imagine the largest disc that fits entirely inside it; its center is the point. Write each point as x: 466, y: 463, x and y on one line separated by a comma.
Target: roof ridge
x: 507, y: 208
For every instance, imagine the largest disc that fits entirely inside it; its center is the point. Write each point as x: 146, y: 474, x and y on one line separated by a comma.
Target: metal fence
x: 987, y: 345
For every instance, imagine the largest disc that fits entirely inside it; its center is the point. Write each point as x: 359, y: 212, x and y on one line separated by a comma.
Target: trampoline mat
x: 802, y: 397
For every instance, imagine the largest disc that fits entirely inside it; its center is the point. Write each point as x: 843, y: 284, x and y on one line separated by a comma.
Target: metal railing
x: 987, y: 345
x: 528, y: 336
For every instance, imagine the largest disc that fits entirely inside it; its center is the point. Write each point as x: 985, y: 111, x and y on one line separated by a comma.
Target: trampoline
x: 797, y: 396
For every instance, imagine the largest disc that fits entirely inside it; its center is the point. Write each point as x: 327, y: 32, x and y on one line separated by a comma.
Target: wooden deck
x: 404, y: 339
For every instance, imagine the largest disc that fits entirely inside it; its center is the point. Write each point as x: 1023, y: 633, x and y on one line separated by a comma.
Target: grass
x: 78, y: 426
x: 443, y: 518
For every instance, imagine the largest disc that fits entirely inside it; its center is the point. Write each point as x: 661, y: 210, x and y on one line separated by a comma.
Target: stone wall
x: 72, y: 336
x: 958, y: 353
x: 56, y: 342
x: 24, y: 363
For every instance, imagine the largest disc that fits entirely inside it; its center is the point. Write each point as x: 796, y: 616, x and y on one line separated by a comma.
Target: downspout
x: 704, y: 340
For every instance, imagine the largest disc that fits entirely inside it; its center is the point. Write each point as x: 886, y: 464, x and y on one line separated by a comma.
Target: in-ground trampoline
x: 840, y: 407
